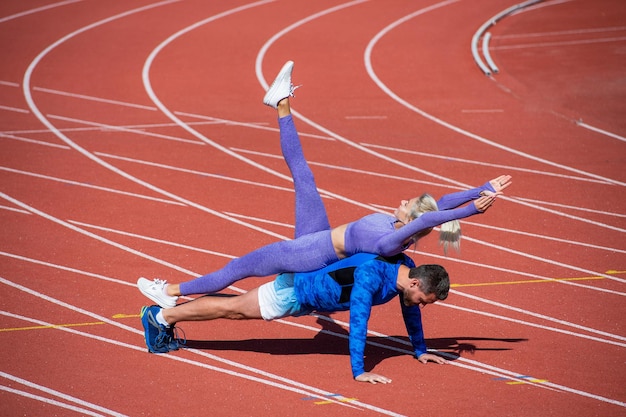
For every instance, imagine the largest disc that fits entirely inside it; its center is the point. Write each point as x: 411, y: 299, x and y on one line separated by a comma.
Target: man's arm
x: 369, y: 280
x: 360, y: 309
x: 413, y: 321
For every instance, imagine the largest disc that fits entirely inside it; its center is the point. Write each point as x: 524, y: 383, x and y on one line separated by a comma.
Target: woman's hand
x: 500, y: 183
x: 484, y: 202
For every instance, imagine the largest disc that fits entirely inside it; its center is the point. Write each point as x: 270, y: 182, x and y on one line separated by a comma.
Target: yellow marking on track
x: 343, y: 400
x: 535, y: 281
x: 125, y: 316
x: 537, y: 381
x: 54, y: 326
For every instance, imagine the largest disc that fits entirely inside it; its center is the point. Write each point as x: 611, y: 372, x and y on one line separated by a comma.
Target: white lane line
x: 67, y: 268
x: 152, y: 239
x: 192, y: 171
x: 545, y: 237
x: 36, y: 142
x: 579, y: 269
x: 93, y: 98
x: 481, y: 163
x: 546, y: 260
x: 531, y: 324
x: 559, y: 43
x: 159, y: 261
x: 37, y: 10
x: 141, y: 254
x: 9, y: 84
x: 58, y: 394
x: 294, y: 386
x: 14, y: 109
x: 561, y: 33
x: 477, y: 298
x: 49, y: 401
x: 548, y: 318
x: 124, y: 129
x: 524, y: 274
x: 86, y: 185
x: 441, y: 122
x: 106, y: 320
x: 601, y: 131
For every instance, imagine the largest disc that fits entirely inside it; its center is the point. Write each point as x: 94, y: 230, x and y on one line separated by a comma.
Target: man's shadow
x: 326, y: 342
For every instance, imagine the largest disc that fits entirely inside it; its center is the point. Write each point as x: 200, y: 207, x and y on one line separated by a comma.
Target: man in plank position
x: 355, y: 283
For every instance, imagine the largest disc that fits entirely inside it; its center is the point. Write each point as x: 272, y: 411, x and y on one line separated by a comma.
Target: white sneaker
x: 155, y: 290
x: 281, y: 87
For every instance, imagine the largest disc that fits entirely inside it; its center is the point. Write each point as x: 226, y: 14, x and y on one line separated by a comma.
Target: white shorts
x: 277, y: 299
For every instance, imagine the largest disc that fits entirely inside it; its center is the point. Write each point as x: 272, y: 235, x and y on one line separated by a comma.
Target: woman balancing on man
x: 316, y: 244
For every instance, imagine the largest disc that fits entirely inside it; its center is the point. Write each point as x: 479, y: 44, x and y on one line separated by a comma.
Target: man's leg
x: 159, y: 324
x: 211, y: 307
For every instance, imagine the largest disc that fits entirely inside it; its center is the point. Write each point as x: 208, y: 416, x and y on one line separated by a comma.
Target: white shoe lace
x: 293, y: 88
x: 159, y: 283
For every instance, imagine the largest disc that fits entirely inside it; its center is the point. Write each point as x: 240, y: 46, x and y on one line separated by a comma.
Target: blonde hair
x: 449, y: 232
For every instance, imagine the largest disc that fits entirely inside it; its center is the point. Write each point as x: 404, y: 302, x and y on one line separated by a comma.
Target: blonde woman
x: 316, y: 244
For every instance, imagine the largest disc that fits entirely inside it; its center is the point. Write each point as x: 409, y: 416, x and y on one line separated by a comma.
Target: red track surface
x: 116, y: 123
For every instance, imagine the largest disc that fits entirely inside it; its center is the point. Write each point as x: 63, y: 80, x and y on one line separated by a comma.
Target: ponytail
x: 450, y: 235
x: 449, y: 232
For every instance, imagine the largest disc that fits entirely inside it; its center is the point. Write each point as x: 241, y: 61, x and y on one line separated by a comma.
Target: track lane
x: 338, y: 209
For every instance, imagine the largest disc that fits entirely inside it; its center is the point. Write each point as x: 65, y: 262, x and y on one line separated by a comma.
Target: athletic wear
x: 312, y: 248
x: 357, y: 284
x: 155, y: 290
x: 277, y: 299
x: 281, y: 87
x: 159, y: 338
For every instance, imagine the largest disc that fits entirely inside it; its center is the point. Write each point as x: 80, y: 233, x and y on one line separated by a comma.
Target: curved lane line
x: 188, y: 128
x: 45, y: 121
x: 346, y: 141
x: 265, y: 85
x: 394, y: 96
x: 31, y: 104
x: 37, y: 10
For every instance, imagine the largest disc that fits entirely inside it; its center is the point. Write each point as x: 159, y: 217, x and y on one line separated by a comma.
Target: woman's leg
x: 312, y: 249
x: 310, y: 211
x: 307, y: 253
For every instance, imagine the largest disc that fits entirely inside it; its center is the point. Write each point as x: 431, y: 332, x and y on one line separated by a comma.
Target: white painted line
x: 59, y: 394
x: 598, y: 130
x: 86, y: 185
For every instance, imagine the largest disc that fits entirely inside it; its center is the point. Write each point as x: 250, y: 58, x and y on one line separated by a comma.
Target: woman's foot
x: 156, y: 291
x: 281, y: 87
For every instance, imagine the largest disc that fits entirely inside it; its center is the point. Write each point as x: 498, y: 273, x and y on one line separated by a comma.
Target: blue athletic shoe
x: 159, y: 339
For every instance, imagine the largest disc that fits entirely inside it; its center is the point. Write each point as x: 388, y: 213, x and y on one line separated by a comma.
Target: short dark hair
x: 434, y: 279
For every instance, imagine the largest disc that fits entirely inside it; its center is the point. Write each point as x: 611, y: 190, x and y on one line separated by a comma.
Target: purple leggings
x: 312, y: 249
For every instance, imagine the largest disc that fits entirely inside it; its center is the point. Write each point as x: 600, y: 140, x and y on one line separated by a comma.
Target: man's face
x: 414, y: 296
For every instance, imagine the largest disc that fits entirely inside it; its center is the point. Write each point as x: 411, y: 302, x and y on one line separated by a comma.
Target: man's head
x: 429, y: 283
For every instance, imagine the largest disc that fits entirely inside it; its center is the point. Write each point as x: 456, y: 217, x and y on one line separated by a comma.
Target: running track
x: 134, y: 143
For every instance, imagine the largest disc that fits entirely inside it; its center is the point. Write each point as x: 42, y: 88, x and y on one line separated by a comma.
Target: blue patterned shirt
x: 357, y: 283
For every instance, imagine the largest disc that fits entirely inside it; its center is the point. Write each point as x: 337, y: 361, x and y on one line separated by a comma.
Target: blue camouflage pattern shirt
x: 358, y: 283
